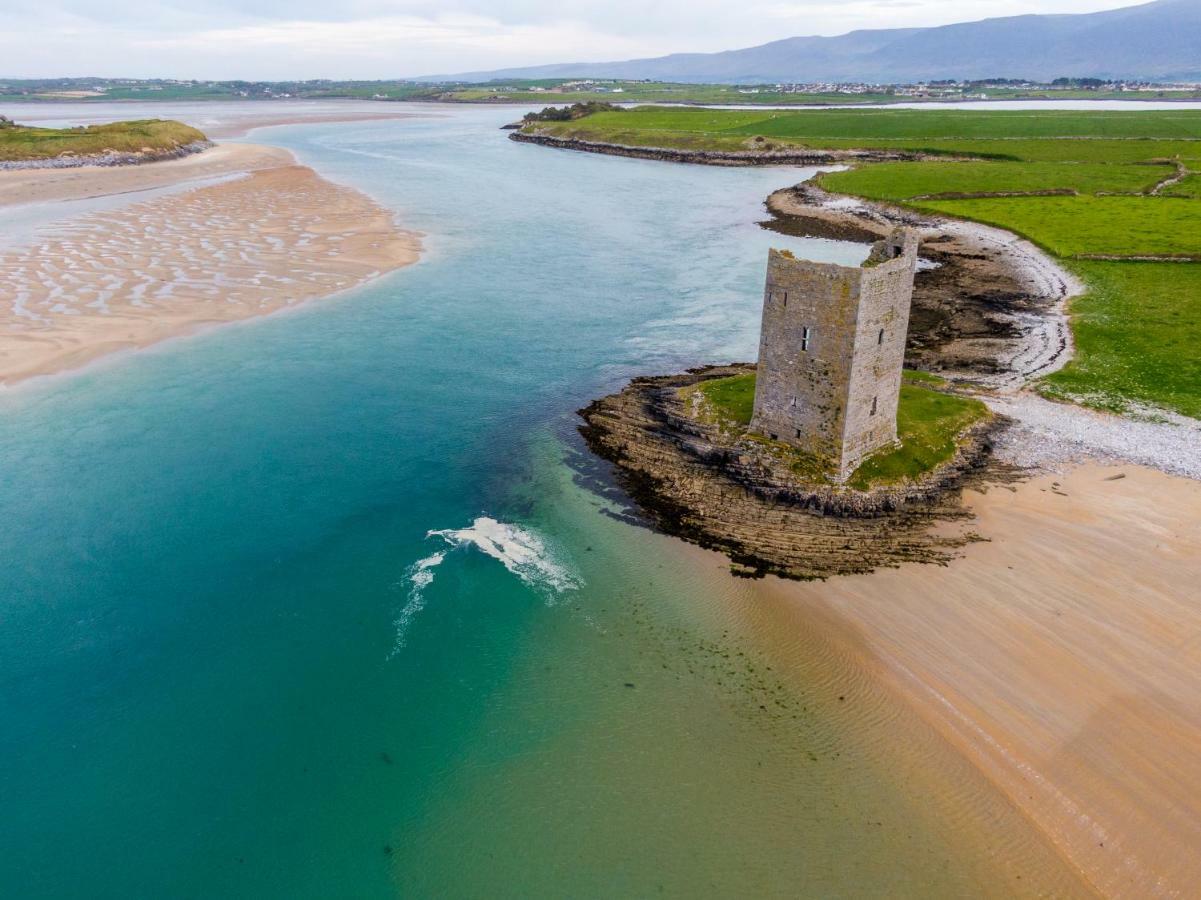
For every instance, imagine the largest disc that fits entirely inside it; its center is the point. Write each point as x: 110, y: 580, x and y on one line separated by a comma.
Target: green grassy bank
x: 929, y: 425
x: 1084, y: 185
x: 20, y: 142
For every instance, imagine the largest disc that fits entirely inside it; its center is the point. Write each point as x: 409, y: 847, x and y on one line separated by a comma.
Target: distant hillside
x: 1155, y: 41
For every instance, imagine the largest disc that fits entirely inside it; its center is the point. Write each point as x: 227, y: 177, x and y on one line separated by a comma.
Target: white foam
x: 420, y: 575
x: 520, y: 551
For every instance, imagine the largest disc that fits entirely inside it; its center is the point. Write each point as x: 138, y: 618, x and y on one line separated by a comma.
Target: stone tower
x: 831, y: 352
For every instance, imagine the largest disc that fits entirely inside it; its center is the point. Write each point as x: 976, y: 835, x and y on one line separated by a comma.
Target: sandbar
x: 267, y: 235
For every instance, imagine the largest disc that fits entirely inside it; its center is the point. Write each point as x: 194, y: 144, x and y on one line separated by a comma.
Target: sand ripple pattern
x: 163, y: 267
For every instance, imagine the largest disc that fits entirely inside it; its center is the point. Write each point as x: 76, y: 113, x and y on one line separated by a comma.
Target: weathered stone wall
x: 831, y: 350
x: 878, y: 350
x: 800, y: 392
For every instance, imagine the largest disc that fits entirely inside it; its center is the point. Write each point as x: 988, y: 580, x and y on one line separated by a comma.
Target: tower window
x: 880, y: 337
x: 874, y: 405
x: 806, y: 333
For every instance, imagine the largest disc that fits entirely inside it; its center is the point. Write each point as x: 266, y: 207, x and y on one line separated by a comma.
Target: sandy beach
x: 1061, y: 656
x: 231, y: 233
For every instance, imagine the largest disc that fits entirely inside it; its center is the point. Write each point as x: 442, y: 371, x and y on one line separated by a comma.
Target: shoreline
x: 1056, y: 652
x: 714, y: 157
x: 270, y: 235
x: 1038, y: 670
x: 107, y: 159
x: 699, y: 484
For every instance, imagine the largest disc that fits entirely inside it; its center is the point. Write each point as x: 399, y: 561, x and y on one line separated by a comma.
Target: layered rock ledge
x: 108, y: 158
x: 735, y: 495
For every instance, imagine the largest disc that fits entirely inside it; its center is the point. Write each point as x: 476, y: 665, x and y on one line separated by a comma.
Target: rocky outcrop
x: 738, y: 496
x: 109, y: 158
x: 774, y: 157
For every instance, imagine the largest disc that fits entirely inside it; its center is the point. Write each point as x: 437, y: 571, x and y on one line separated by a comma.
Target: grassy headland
x: 1092, y: 188
x: 929, y: 425
x: 20, y: 142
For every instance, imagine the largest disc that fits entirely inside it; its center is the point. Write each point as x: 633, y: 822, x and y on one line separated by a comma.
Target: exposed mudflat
x: 171, y: 263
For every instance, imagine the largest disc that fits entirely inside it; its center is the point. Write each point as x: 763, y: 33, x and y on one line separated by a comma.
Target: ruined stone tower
x: 831, y: 351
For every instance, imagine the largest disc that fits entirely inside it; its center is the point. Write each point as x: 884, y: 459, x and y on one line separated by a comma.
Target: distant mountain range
x: 1155, y: 41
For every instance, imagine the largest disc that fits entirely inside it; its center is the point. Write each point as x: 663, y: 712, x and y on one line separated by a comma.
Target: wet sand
x: 1063, y: 656
x: 236, y: 126
x: 24, y: 186
x: 269, y: 234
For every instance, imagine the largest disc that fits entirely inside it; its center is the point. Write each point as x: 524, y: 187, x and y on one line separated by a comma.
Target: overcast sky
x: 281, y: 39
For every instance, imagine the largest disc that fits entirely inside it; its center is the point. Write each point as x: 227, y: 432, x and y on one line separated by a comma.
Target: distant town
x: 620, y: 90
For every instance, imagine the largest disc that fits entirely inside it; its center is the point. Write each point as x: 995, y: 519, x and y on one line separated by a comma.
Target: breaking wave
x: 522, y: 552
x: 519, y: 550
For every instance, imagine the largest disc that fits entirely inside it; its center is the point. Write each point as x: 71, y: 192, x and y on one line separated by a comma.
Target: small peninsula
x: 825, y: 458
x: 110, y: 144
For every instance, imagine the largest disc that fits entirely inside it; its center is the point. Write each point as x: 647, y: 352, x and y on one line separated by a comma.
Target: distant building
x: 831, y: 352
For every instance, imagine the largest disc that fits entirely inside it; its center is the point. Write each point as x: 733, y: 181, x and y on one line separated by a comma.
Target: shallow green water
x: 233, y: 662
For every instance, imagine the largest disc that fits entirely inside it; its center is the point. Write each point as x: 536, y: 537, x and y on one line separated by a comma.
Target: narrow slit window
x: 874, y: 405
x: 806, y: 333
x: 786, y: 298
x: 880, y: 337
x: 798, y: 432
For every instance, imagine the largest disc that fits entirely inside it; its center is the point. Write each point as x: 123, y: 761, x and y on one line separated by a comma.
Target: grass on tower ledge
x: 930, y: 425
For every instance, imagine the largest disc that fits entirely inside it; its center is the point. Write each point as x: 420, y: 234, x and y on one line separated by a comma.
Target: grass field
x: 1084, y: 226
x: 929, y: 425
x: 18, y: 142
x: 1137, y: 337
x: 1034, y: 135
x: 1137, y: 330
x: 910, y: 180
x: 1189, y: 187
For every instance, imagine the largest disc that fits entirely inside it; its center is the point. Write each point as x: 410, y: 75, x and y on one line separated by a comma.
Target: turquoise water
x: 234, y: 662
